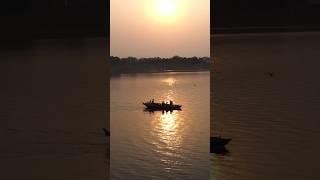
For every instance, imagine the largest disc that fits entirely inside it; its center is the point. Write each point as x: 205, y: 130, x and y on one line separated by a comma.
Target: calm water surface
x: 53, y: 105
x: 273, y: 121
x: 172, y: 145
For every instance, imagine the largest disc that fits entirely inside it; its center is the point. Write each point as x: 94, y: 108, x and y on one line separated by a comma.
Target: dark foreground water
x: 53, y: 104
x: 146, y: 145
x: 273, y: 120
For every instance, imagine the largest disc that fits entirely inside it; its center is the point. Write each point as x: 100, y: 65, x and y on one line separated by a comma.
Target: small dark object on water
x: 218, y: 144
x: 161, y: 106
x: 270, y: 74
x: 106, y: 132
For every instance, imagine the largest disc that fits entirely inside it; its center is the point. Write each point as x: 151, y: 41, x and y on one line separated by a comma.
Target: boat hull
x: 217, y: 141
x: 161, y: 107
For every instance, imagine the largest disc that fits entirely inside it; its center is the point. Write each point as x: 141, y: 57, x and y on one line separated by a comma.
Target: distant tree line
x: 158, y: 60
x: 157, y: 64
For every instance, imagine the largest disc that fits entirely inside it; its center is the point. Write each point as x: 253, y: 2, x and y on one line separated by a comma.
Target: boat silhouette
x: 153, y: 106
x: 217, y: 144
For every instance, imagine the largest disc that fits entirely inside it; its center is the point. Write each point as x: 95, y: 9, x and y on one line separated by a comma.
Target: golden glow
x: 166, y: 7
x: 159, y: 28
x: 168, y: 127
x: 168, y: 123
x: 170, y: 81
x: 165, y: 11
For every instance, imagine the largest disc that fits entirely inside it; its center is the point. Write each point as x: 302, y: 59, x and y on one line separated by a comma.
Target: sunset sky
x: 160, y: 28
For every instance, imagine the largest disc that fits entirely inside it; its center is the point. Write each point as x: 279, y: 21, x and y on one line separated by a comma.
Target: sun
x: 166, y: 8
x: 164, y: 12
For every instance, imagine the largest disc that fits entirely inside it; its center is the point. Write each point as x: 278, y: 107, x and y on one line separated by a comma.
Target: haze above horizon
x: 160, y: 28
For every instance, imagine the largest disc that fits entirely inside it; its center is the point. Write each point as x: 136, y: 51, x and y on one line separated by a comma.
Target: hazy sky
x: 160, y: 28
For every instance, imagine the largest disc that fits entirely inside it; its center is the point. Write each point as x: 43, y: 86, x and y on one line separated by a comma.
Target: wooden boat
x: 153, y: 106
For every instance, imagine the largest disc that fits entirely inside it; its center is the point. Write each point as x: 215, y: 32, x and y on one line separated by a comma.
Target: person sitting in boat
x: 171, y: 102
x: 162, y: 103
x: 152, y: 101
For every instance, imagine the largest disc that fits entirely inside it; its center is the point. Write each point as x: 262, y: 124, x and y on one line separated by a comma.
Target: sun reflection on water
x: 170, y: 81
x: 168, y: 130
x: 168, y: 126
x: 168, y: 138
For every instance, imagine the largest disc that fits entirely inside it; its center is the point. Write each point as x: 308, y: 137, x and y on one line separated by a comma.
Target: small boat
x: 217, y: 145
x: 218, y: 141
x: 153, y: 106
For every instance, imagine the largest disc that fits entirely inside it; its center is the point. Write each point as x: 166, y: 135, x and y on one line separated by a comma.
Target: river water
x: 160, y: 145
x: 272, y: 119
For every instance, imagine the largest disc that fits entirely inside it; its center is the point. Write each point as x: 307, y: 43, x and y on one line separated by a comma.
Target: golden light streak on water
x: 170, y: 81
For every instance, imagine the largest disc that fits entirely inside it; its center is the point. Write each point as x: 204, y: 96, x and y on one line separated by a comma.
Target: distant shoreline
x: 269, y: 29
x: 157, y: 64
x: 114, y: 74
x: 117, y: 73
